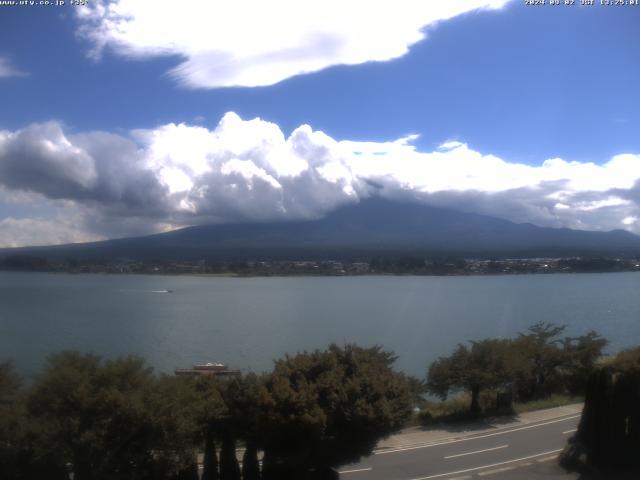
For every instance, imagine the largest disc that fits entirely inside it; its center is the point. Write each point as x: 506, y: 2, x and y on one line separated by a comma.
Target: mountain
x: 372, y: 227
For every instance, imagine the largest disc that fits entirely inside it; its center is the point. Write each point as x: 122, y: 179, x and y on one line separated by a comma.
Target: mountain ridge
x: 371, y: 227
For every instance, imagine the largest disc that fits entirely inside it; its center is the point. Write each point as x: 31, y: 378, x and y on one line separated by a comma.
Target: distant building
x: 359, y: 267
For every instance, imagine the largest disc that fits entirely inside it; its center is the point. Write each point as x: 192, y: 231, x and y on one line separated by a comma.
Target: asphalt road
x: 485, y: 454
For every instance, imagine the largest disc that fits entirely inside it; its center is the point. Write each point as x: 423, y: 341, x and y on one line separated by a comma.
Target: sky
x: 129, y: 117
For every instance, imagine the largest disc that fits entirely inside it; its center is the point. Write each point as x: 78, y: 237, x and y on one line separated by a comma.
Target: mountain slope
x: 372, y: 227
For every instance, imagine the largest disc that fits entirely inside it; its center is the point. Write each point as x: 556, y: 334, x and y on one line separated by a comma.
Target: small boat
x: 210, y: 366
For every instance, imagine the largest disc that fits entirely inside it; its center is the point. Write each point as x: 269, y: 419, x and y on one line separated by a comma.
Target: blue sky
x: 492, y: 91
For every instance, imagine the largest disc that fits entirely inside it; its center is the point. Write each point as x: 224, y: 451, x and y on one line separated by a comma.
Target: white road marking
x: 496, y: 470
x: 547, y: 459
x: 570, y: 431
x: 467, y: 439
x: 487, y: 466
x: 477, y: 451
x: 356, y: 470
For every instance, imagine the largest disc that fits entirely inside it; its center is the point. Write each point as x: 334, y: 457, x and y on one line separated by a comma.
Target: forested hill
x: 371, y: 227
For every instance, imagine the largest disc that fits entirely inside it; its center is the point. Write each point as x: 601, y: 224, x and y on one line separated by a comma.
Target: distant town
x: 408, y: 265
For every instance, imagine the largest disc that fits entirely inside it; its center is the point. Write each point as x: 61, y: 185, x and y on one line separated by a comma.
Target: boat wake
x: 145, y: 291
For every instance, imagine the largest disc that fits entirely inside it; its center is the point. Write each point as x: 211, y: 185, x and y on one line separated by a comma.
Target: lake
x: 248, y: 322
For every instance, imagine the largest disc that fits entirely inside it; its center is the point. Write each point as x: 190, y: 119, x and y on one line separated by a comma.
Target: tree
x: 23, y: 454
x: 244, y: 397
x: 580, y: 357
x: 229, y: 467
x: 10, y: 383
x: 12, y: 426
x: 212, y: 411
x: 539, y: 361
x: 483, y: 366
x: 608, y: 436
x: 210, y: 458
x: 533, y: 365
x: 328, y: 408
x: 228, y: 426
x: 182, y: 412
x: 417, y: 389
x: 93, y: 415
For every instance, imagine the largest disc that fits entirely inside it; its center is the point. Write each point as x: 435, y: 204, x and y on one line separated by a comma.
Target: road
x: 475, y: 456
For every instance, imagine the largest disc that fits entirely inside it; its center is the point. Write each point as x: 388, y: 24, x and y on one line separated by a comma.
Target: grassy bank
x: 550, y: 402
x: 456, y: 409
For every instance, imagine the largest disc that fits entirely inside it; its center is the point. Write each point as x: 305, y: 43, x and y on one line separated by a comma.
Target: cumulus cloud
x: 42, y: 159
x: 249, y: 170
x: 6, y: 70
x: 256, y: 43
x: 91, y: 167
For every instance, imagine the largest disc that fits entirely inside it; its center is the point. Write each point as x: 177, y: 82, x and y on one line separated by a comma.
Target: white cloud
x: 17, y: 232
x: 455, y: 166
x: 178, y: 174
x: 6, y: 70
x: 257, y: 43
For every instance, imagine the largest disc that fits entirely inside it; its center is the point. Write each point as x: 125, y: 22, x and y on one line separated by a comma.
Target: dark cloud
x: 41, y: 159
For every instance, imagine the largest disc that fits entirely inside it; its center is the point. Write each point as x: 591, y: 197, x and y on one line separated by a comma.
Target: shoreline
x: 313, y: 275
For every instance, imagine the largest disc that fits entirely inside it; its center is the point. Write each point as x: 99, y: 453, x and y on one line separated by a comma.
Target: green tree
x: 539, y: 361
x: 244, y: 397
x: 533, y: 365
x: 210, y: 458
x: 608, y: 436
x: 212, y: 412
x: 229, y: 426
x: 13, y: 455
x: 23, y: 454
x: 10, y: 383
x: 182, y: 412
x: 93, y: 415
x: 328, y: 408
x: 483, y: 365
x: 417, y: 388
x: 580, y: 357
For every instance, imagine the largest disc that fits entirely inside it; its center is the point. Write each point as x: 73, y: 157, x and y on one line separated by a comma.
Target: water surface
x: 247, y: 322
